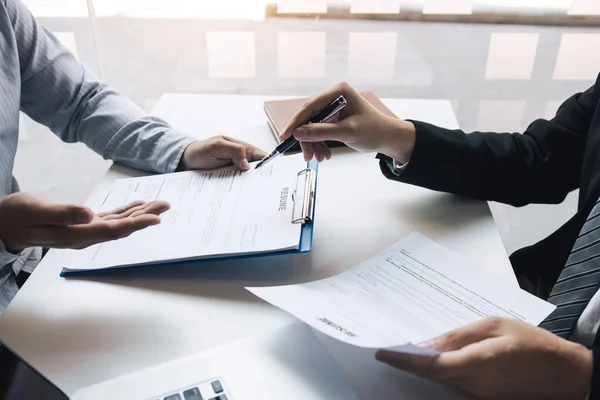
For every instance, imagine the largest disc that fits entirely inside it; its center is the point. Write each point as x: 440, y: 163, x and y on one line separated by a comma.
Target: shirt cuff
x: 27, y: 261
x: 6, y: 257
x: 169, y: 151
x: 396, y: 168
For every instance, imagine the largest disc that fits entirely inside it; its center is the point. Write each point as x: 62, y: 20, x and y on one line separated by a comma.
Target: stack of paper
x: 219, y: 213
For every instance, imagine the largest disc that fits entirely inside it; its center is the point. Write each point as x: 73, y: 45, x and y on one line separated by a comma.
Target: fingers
x: 317, y: 103
x: 80, y: 236
x: 219, y: 151
x: 253, y: 153
x: 467, y: 335
x: 307, y: 150
x: 442, y: 368
x: 123, y: 209
x: 235, y: 151
x: 135, y: 209
x: 461, y: 351
x: 154, y: 208
x: 109, y: 227
x: 340, y: 131
x: 415, y: 364
x: 238, y: 156
x: 322, y: 152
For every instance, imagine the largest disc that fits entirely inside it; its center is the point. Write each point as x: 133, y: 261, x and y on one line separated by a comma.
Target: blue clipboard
x: 304, y: 198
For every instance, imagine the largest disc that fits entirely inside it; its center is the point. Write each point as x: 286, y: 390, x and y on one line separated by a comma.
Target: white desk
x: 82, y: 331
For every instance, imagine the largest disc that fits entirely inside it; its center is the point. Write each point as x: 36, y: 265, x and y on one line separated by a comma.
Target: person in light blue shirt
x: 41, y: 78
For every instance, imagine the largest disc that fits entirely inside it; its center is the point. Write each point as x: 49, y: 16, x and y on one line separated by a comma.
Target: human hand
x: 219, y: 151
x: 29, y: 220
x: 500, y: 358
x: 359, y: 125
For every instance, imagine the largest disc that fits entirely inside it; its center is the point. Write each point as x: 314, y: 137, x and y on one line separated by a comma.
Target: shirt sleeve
x: 58, y: 91
x: 393, y: 166
x: 6, y: 257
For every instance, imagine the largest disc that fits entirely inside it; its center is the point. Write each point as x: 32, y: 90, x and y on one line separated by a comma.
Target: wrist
x: 584, y: 364
x: 183, y: 164
x: 7, y: 254
x: 399, y: 142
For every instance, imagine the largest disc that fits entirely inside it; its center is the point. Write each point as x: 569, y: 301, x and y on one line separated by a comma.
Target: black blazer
x: 545, y: 163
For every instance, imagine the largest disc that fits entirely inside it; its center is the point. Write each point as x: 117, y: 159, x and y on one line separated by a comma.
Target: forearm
x: 117, y: 129
x: 75, y: 106
x: 57, y: 91
x: 510, y: 168
x: 542, y: 165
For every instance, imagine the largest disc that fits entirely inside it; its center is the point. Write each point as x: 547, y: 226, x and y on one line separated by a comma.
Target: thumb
x: 60, y: 214
x: 413, y: 363
x: 462, y: 337
x: 437, y: 368
x: 321, y: 132
x: 237, y: 153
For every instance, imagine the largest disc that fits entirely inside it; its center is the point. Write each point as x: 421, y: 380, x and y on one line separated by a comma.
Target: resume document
x: 217, y: 213
x: 414, y: 291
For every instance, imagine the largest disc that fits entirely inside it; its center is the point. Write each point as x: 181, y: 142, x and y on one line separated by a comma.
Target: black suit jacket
x: 545, y: 163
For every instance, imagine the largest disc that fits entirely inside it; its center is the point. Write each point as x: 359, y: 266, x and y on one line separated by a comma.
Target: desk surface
x: 81, y: 331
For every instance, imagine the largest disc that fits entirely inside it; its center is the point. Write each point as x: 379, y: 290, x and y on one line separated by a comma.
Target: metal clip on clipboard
x: 304, y: 196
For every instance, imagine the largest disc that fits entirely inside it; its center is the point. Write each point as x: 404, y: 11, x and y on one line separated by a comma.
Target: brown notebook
x: 280, y: 112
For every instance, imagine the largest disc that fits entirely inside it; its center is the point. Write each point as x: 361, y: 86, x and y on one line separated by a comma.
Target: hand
x: 360, y: 126
x: 217, y: 152
x: 29, y: 220
x: 500, y: 358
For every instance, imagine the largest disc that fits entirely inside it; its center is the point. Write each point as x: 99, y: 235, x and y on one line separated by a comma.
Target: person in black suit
x: 500, y: 358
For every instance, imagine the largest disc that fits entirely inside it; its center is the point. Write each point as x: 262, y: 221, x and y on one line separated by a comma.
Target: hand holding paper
x: 503, y: 358
x: 412, y: 292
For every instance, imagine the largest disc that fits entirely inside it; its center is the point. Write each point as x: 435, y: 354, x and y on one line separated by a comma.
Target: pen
x: 325, y: 115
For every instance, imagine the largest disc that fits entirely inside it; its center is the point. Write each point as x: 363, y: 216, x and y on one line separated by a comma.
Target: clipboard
x: 304, y: 198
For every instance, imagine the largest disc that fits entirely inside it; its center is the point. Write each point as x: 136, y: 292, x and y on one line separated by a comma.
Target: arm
x: 540, y: 166
x: 60, y: 93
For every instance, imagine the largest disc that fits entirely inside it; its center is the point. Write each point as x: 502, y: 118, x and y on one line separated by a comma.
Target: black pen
x: 325, y: 115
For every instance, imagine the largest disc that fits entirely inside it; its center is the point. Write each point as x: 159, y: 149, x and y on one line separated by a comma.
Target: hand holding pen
x: 359, y: 125
x: 325, y: 115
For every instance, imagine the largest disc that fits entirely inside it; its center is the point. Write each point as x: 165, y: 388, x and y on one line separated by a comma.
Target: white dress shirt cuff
x: 395, y: 167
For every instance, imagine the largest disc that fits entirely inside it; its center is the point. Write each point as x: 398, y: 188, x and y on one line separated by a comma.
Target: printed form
x: 414, y: 291
x: 216, y: 213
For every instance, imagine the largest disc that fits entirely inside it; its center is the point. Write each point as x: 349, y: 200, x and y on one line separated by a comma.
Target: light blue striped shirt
x: 44, y: 80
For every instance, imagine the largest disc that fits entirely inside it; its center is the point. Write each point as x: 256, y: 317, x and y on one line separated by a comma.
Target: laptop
x: 289, y: 363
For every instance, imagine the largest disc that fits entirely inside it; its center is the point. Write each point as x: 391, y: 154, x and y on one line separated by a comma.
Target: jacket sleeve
x: 542, y: 165
x: 594, y: 393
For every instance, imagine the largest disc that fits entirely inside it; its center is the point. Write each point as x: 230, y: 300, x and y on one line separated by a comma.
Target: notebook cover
x: 280, y: 112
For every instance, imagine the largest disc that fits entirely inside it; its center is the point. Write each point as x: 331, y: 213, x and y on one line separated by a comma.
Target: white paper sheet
x: 414, y: 291
x: 216, y: 213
